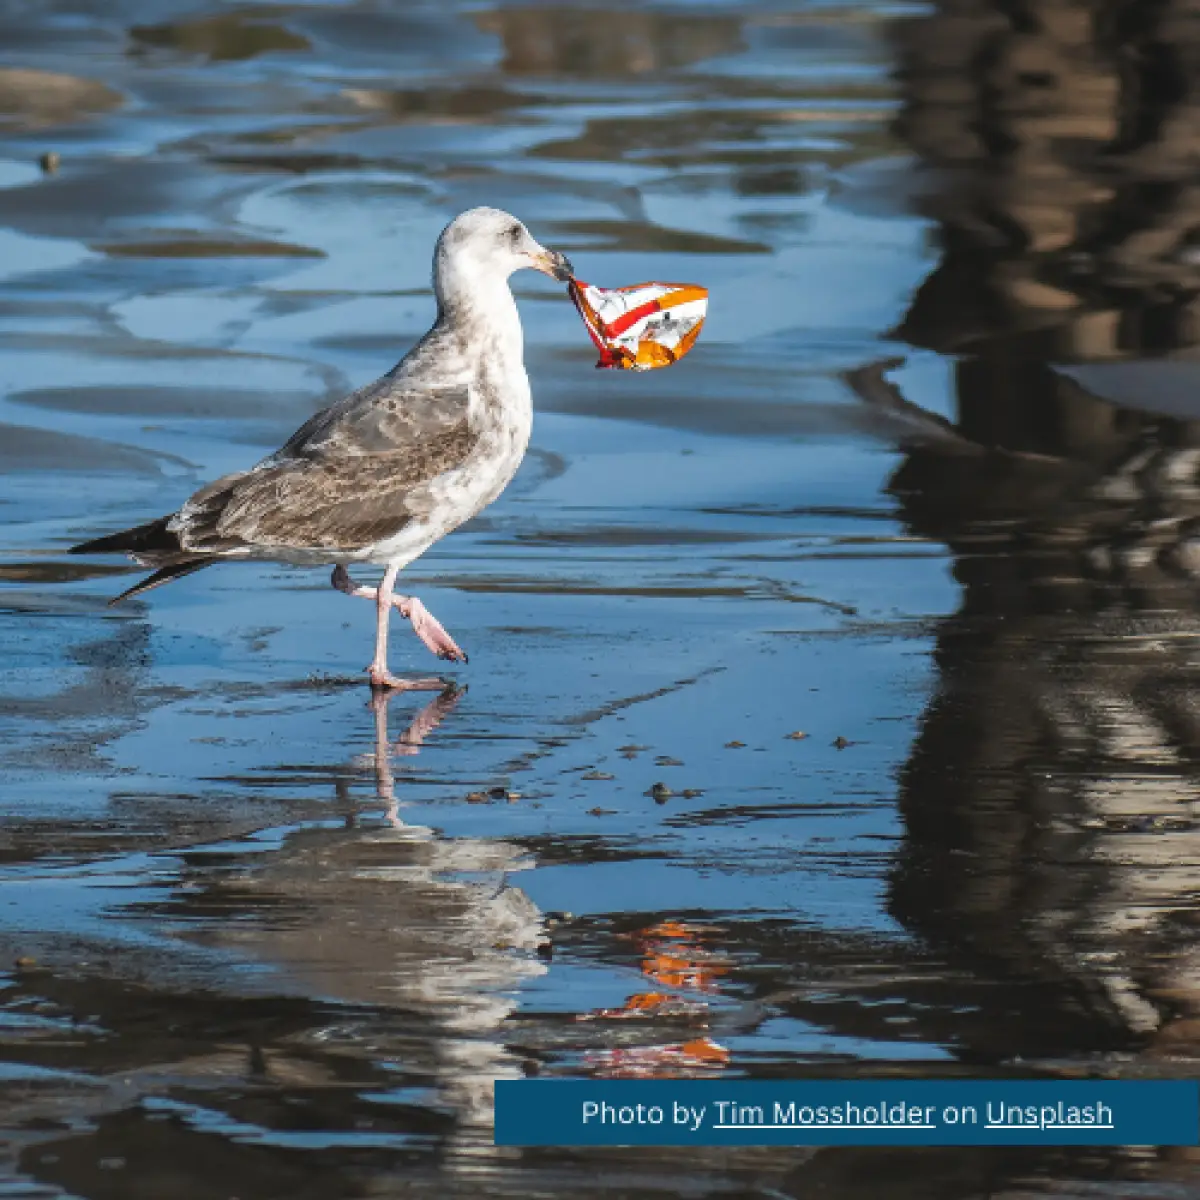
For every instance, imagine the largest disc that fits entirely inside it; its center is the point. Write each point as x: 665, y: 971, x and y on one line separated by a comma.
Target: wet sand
x: 264, y: 938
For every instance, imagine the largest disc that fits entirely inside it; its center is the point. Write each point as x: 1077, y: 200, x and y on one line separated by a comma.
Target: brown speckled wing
x: 345, y: 480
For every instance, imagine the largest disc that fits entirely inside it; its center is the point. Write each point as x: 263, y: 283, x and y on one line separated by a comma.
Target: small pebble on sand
x: 798, y: 736
x: 734, y: 745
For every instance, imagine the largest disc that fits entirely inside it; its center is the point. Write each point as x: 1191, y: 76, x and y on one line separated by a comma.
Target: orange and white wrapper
x: 642, y: 327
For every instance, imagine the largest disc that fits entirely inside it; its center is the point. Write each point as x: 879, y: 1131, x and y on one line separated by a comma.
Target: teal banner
x: 925, y: 1112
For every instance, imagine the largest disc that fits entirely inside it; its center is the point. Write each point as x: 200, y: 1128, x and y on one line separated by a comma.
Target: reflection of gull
x: 381, y: 475
x: 399, y: 917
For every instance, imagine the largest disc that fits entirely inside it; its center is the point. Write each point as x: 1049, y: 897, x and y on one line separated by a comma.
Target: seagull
x: 385, y: 472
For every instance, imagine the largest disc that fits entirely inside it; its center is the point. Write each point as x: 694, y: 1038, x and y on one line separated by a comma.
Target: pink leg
x: 378, y: 671
x: 425, y: 625
x: 429, y: 629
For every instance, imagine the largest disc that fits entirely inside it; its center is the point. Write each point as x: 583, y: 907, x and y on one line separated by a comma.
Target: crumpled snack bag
x: 642, y: 327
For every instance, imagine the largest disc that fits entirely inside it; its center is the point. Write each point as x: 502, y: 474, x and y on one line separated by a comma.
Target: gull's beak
x: 550, y: 262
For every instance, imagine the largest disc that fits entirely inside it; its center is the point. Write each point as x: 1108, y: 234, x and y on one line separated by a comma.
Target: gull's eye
x: 514, y: 234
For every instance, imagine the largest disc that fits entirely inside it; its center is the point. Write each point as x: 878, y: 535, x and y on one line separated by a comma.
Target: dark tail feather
x: 151, y: 538
x: 164, y: 575
x: 149, y: 544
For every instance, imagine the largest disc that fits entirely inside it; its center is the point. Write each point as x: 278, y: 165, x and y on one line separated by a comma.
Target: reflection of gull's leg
x: 428, y: 719
x: 424, y: 623
x: 423, y: 724
x: 384, y: 780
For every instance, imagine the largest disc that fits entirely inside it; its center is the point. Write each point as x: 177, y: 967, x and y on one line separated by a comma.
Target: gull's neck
x: 477, y: 311
x: 481, y: 311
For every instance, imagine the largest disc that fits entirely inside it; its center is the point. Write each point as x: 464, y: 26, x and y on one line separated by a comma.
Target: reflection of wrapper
x: 641, y: 327
x: 699, y: 1058
x: 674, y: 955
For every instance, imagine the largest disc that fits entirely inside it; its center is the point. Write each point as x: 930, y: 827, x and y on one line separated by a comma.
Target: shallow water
x: 267, y: 939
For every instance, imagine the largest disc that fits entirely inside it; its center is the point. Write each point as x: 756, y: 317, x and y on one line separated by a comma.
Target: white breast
x: 502, y: 410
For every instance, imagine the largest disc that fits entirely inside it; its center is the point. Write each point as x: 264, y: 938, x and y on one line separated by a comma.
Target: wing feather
x: 346, y: 478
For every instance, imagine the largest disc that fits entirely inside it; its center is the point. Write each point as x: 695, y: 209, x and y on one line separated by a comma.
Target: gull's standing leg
x: 378, y: 671
x: 425, y: 625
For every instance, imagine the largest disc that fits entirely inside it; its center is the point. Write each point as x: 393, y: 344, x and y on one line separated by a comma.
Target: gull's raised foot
x: 429, y: 629
x: 425, y: 625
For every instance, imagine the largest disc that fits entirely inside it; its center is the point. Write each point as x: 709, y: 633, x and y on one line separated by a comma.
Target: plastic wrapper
x: 641, y: 327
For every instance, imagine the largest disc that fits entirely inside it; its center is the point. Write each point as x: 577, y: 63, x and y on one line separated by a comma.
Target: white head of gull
x: 385, y: 472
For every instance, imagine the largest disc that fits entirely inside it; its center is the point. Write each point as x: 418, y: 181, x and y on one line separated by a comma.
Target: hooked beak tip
x: 557, y: 266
